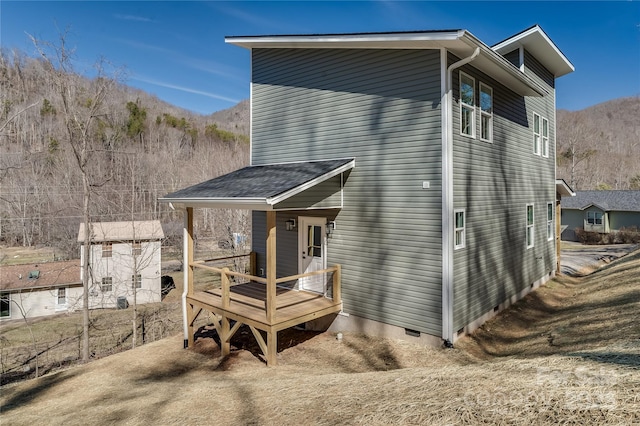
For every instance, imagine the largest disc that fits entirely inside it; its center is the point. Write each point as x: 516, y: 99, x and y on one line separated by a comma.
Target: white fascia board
x: 538, y: 43
x: 498, y: 67
x: 563, y: 188
x: 362, y: 41
x: 220, y: 203
x: 460, y: 42
x: 310, y: 184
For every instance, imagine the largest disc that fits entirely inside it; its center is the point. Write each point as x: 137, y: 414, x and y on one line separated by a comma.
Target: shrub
x: 629, y: 235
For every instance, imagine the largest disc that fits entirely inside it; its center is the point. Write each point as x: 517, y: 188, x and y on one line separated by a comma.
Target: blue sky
x: 176, y: 50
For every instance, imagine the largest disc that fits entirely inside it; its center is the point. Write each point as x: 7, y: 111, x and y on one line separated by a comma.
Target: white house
x: 124, y: 260
x: 34, y: 290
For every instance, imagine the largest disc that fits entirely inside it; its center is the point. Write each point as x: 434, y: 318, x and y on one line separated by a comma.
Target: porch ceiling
x: 258, y: 187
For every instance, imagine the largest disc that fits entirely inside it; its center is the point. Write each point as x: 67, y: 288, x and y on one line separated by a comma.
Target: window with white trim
x: 549, y: 221
x: 106, y: 285
x: 530, y: 226
x: 136, y: 281
x: 459, y: 229
x: 62, y: 296
x: 467, y: 105
x: 136, y: 248
x: 545, y: 137
x: 107, y: 249
x: 486, y: 113
x: 536, y: 134
x: 594, y: 218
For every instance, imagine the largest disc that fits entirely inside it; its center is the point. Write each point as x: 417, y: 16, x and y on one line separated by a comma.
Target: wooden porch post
x: 188, y: 271
x: 272, y: 336
x: 271, y: 265
x: 337, y: 277
x: 558, y: 243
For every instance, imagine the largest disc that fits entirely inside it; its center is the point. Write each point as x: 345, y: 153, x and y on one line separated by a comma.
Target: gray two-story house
x: 422, y: 163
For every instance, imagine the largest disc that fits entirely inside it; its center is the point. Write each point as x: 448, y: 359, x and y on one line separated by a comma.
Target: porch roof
x: 259, y: 187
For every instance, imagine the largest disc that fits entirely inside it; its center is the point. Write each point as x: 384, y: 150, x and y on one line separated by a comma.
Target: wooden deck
x: 260, y: 305
x: 248, y: 305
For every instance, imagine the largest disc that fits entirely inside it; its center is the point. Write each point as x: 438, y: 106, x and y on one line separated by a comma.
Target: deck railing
x: 227, y: 276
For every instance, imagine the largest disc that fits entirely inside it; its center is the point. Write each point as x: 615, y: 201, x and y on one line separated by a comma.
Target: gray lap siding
x: 494, y: 182
x: 381, y: 107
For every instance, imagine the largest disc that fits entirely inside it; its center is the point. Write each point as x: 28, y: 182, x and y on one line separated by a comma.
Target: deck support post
x: 188, y: 271
x: 225, y: 337
x: 272, y: 347
x: 272, y: 337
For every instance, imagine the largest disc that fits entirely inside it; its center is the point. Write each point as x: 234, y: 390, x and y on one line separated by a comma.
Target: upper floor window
x: 549, y: 221
x: 486, y: 113
x: 594, y: 218
x: 545, y: 137
x: 107, y: 249
x: 137, y: 248
x: 459, y: 229
x: 530, y: 226
x: 536, y: 134
x: 467, y: 105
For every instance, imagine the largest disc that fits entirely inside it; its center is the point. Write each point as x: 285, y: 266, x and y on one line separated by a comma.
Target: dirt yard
x: 568, y: 353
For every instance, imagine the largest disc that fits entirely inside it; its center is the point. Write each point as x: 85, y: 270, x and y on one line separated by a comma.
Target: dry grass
x: 569, y: 354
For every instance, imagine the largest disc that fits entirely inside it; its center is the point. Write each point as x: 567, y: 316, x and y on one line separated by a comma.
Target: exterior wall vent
x: 412, y: 333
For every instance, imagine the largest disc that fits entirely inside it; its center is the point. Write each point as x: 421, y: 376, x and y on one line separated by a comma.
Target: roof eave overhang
x: 536, y: 41
x: 258, y: 203
x: 219, y: 203
x: 459, y: 42
x: 564, y: 189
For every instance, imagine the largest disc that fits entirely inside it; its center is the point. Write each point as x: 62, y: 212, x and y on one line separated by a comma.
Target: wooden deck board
x: 247, y: 305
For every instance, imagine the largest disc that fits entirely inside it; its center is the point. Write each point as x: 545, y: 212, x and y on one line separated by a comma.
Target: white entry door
x: 312, y: 257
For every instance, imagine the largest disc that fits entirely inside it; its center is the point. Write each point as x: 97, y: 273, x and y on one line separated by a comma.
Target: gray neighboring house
x: 430, y: 172
x: 600, y: 211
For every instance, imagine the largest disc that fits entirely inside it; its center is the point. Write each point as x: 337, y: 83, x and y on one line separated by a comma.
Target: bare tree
x: 80, y: 110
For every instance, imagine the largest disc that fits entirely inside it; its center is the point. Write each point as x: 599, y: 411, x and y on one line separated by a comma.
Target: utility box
x: 122, y: 302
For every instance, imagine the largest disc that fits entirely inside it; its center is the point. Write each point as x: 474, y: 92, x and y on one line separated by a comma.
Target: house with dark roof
x: 600, y: 211
x: 409, y: 178
x: 124, y: 262
x: 34, y: 290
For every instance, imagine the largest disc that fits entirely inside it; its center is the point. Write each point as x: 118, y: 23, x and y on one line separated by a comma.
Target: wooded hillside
x: 140, y: 148
x: 599, y: 147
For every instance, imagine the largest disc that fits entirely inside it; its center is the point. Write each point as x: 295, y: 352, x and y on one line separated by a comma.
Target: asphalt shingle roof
x: 144, y: 230
x: 624, y: 200
x: 259, y: 181
x: 51, y: 274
